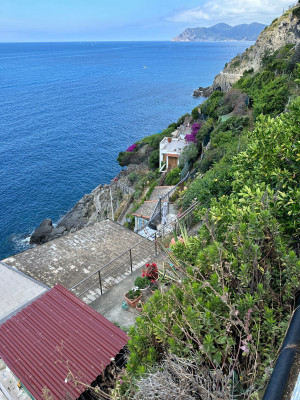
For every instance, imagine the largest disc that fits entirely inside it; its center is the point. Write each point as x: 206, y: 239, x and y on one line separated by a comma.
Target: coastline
x: 56, y: 176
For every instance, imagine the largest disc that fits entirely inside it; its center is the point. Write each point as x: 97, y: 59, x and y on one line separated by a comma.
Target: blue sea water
x: 68, y: 109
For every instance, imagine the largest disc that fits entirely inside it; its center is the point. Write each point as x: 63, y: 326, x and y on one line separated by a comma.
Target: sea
x: 68, y: 109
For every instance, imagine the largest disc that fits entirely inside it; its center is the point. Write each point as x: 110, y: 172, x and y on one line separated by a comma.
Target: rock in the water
x: 42, y: 232
x: 203, y: 92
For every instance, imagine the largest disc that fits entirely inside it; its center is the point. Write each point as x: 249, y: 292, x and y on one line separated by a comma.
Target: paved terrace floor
x: 70, y: 259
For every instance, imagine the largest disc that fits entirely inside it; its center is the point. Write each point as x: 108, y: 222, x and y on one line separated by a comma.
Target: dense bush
x: 273, y: 98
x: 154, y: 159
x: 173, y: 177
x: 182, y: 118
x: 188, y: 155
x: 124, y: 158
x: 215, y: 183
x: 205, y: 130
x: 210, y: 106
x: 210, y: 158
x: 224, y: 110
x: 195, y: 113
x: 236, y: 124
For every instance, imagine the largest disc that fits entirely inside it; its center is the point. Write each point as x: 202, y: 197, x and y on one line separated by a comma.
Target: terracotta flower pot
x: 139, y: 306
x: 133, y: 303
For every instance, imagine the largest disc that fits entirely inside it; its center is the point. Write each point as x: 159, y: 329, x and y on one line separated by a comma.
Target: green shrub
x: 195, y: 112
x: 133, y: 294
x: 153, y: 161
x: 210, y: 158
x: 132, y: 177
x: 223, y: 110
x: 151, y: 175
x: 182, y: 118
x: 173, y: 177
x: 205, y: 130
x: 124, y: 158
x: 188, y: 155
x: 141, y: 282
x: 137, y: 194
x: 212, y: 103
x: 273, y: 98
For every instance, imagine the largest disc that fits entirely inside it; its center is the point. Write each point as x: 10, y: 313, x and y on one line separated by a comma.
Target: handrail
x: 280, y: 375
x: 110, y: 262
x: 178, y: 220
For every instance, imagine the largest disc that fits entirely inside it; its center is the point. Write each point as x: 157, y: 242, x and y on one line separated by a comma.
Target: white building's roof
x: 175, y: 146
x: 16, y: 291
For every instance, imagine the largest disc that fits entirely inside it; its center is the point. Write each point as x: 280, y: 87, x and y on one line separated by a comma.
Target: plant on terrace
x: 151, y: 272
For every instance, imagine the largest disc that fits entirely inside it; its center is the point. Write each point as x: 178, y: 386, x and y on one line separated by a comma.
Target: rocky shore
x: 92, y: 207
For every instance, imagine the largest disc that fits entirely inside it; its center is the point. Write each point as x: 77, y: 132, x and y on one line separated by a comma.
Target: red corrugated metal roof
x: 55, y: 334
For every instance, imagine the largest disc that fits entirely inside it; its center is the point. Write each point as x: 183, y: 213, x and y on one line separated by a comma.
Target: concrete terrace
x: 69, y: 259
x: 160, y: 191
x: 16, y: 291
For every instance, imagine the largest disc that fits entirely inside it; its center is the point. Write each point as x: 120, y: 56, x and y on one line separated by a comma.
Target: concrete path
x: 110, y: 303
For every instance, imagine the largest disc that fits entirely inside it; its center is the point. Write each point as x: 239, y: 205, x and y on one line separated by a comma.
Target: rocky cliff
x: 283, y: 30
x: 93, y: 207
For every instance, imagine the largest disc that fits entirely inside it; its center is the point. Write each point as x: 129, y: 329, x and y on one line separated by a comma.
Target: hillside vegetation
x: 216, y: 332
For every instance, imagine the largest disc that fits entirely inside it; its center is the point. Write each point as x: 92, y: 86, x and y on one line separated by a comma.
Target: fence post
x: 155, y: 244
x: 130, y: 255
x: 160, y: 210
x: 100, y: 281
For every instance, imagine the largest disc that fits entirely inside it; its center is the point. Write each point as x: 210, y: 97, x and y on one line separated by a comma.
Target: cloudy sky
x: 68, y: 20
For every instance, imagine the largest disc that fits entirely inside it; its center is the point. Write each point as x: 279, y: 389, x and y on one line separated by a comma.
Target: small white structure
x: 170, y: 149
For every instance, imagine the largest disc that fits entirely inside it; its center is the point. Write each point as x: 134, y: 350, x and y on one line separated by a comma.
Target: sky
x: 101, y: 20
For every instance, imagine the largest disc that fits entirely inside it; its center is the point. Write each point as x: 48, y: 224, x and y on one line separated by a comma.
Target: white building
x: 170, y: 149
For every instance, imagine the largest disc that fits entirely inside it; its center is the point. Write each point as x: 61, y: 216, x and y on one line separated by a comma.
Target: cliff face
x: 283, y: 30
x: 93, y: 207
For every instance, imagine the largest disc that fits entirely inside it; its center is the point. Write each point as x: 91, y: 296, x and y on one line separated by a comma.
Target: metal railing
x: 186, y: 219
x: 113, y: 272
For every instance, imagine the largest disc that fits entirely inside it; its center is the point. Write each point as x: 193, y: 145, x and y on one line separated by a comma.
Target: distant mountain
x: 221, y: 32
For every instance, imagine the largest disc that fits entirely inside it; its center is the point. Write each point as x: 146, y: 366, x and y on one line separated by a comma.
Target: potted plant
x: 151, y: 272
x: 142, y: 283
x: 139, y: 305
x: 133, y: 296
